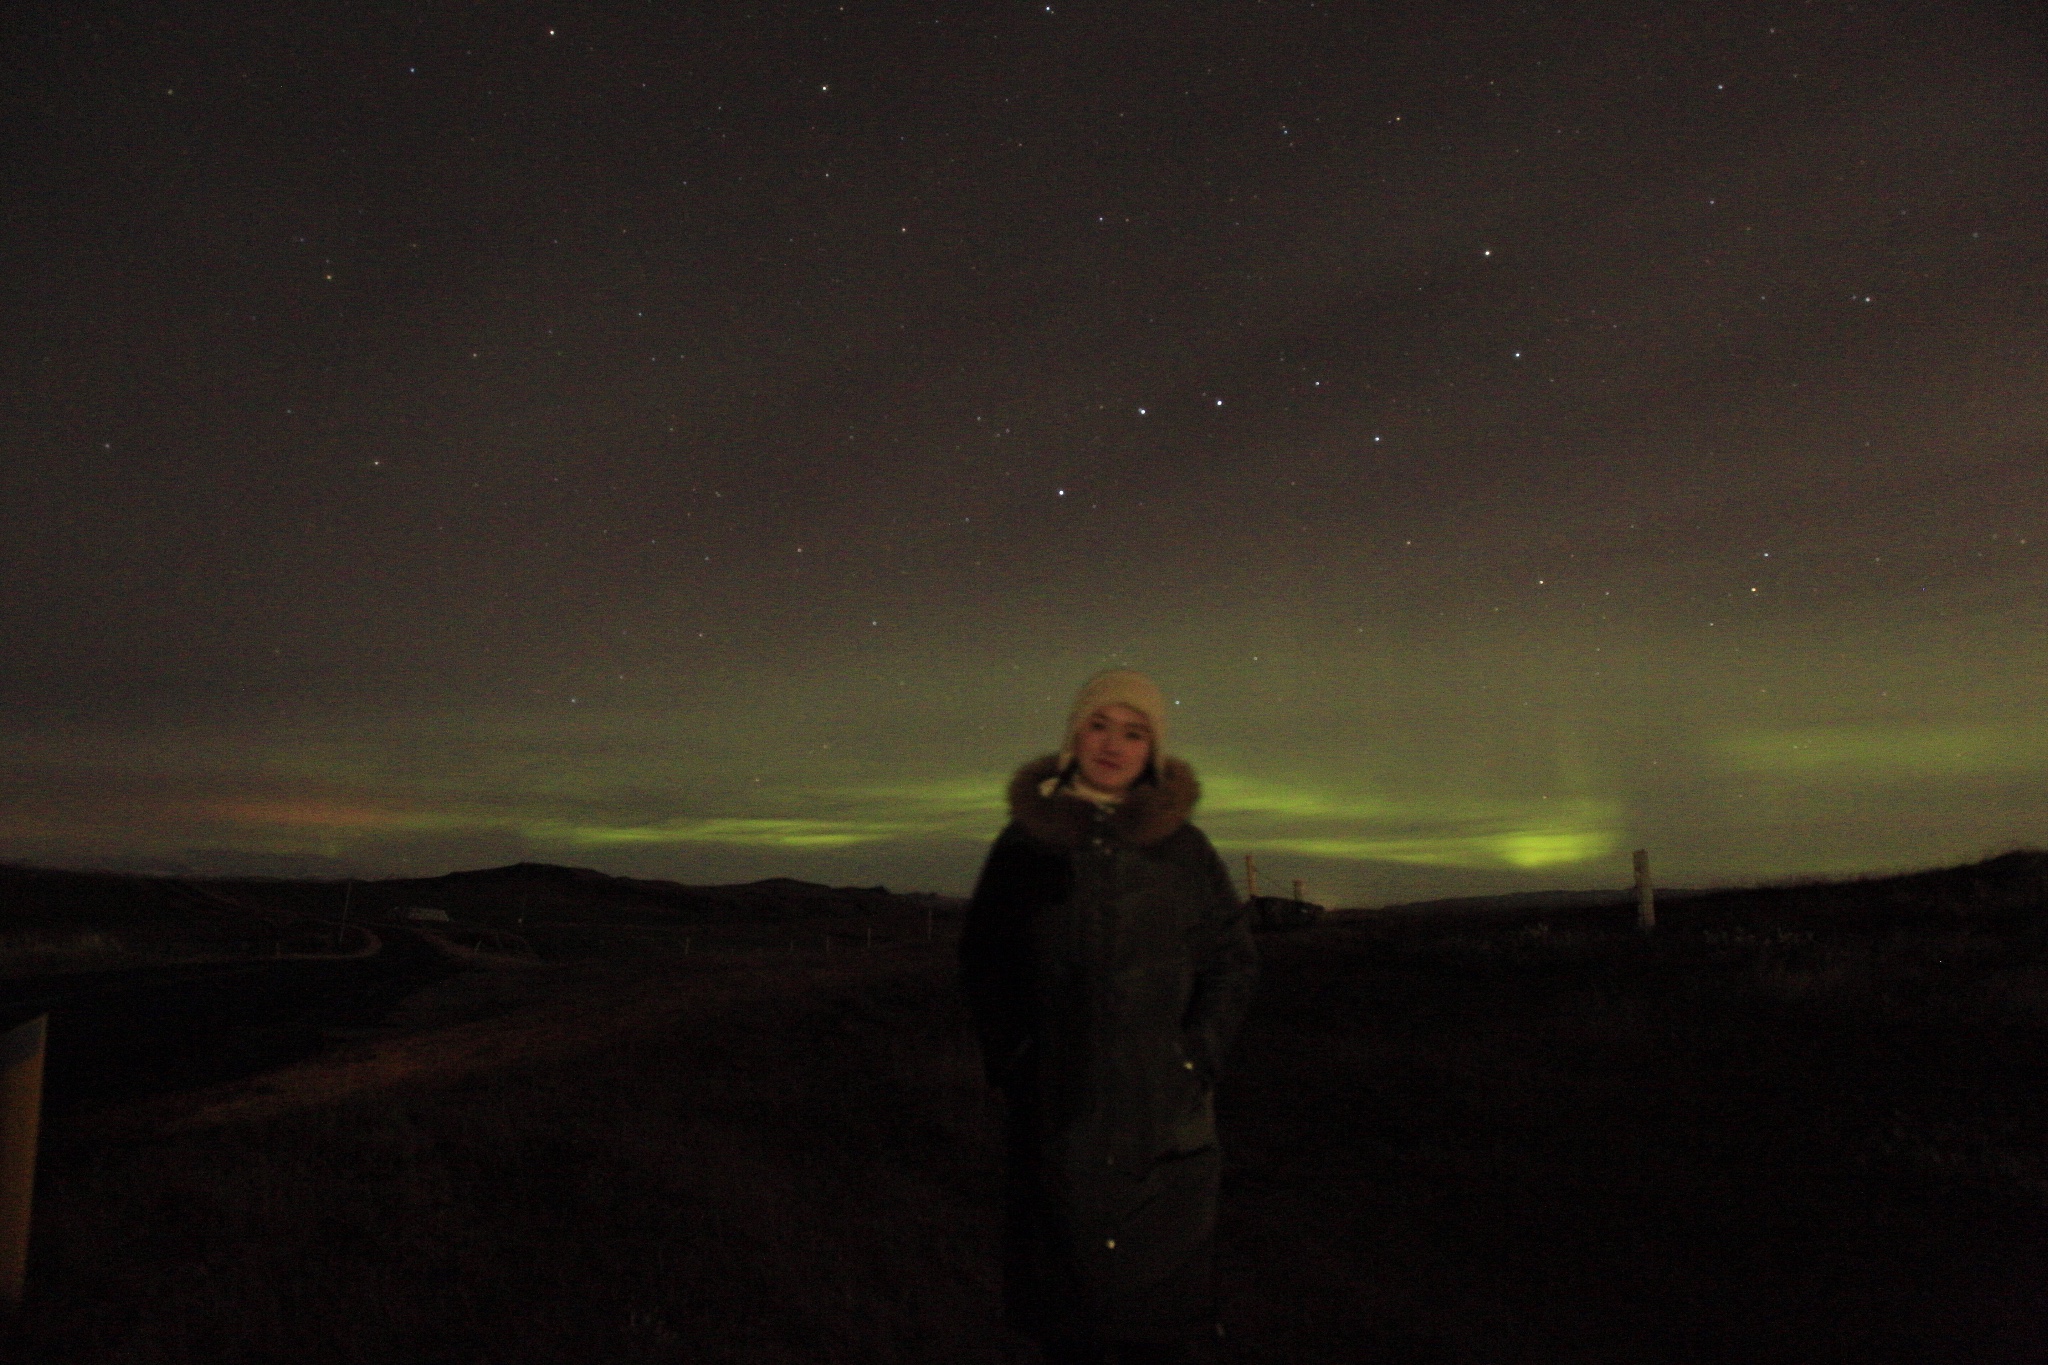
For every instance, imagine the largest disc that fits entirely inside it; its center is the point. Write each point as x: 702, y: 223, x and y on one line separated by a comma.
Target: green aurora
x: 1505, y: 807
x: 716, y: 447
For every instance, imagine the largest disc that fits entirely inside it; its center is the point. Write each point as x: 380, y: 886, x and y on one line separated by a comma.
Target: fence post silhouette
x: 1646, y: 895
x: 21, y: 1115
x: 1251, y: 877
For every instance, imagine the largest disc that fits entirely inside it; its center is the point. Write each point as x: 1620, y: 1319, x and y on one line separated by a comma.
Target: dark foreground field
x: 1776, y: 1131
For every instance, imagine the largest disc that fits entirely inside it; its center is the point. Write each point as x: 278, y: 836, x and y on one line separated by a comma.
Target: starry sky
x: 714, y: 441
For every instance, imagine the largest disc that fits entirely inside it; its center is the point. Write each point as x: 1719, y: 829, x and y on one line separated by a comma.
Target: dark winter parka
x: 1107, y: 963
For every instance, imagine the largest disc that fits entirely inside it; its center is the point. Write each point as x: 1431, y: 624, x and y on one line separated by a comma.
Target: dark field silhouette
x: 1800, y: 1124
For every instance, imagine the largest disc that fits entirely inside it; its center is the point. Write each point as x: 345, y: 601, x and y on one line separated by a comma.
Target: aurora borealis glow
x: 715, y: 445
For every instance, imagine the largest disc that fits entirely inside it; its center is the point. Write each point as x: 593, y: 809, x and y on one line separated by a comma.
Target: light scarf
x: 1077, y: 786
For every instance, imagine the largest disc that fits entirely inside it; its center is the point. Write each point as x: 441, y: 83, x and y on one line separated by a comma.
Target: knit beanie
x: 1118, y: 687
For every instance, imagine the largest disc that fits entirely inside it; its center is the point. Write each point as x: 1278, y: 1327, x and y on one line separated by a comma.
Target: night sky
x: 714, y: 441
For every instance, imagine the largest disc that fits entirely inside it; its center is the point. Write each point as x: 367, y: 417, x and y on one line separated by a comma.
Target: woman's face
x: 1114, y: 745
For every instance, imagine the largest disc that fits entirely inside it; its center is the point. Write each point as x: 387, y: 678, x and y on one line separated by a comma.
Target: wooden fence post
x: 1646, y: 895
x: 21, y: 1116
x: 1251, y: 877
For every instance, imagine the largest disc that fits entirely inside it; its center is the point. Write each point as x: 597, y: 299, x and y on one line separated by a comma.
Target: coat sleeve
x: 1226, y: 962
x: 995, y: 954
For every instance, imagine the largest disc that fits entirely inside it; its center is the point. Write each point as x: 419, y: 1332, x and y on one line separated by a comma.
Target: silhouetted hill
x: 549, y: 891
x: 1517, y: 901
x: 57, y: 920
x: 2011, y: 886
x: 159, y: 914
x: 1530, y: 1135
x: 52, y: 919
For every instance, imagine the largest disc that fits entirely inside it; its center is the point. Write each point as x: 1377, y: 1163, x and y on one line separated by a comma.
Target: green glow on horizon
x: 333, y: 797
x: 738, y: 831
x: 1455, y: 831
x: 1887, y: 752
x: 950, y: 799
x: 1443, y: 830
x: 1526, y: 850
x: 936, y: 809
x: 1229, y: 795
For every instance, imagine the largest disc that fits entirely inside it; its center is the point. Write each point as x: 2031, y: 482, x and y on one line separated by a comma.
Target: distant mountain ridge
x: 2007, y: 885
x: 2010, y: 886
x: 235, y: 907
x: 550, y: 889
x: 1525, y: 900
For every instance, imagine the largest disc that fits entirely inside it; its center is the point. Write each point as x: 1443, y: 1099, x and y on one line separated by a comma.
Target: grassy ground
x: 1581, y: 1147
x: 735, y: 1165
x: 1447, y: 1142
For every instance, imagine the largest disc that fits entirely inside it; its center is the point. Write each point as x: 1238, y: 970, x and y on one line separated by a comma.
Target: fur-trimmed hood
x: 1148, y: 813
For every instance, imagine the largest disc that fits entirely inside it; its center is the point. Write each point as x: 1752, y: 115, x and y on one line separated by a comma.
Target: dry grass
x: 1447, y: 1142
x: 30, y: 952
x: 685, y: 1170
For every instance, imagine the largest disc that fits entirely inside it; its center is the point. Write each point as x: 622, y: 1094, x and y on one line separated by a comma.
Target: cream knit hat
x: 1118, y: 687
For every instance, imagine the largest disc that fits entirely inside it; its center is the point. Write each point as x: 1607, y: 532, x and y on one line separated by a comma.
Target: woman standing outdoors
x: 1107, y: 962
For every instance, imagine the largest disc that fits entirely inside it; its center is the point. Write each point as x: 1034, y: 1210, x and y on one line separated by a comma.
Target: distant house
x: 1282, y: 912
x: 425, y: 914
